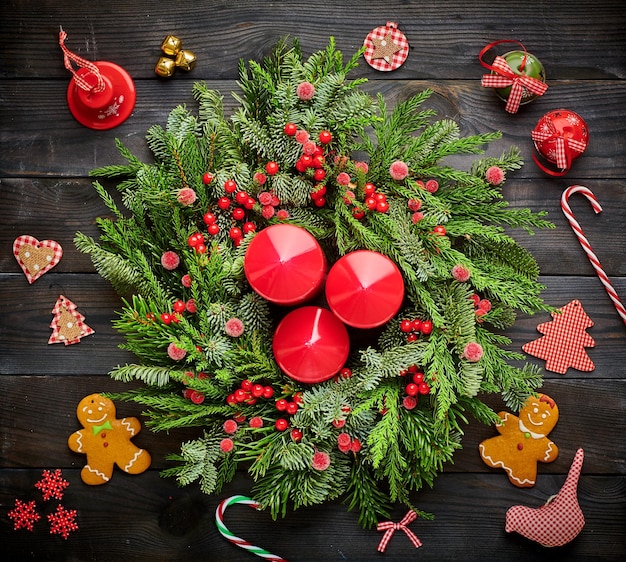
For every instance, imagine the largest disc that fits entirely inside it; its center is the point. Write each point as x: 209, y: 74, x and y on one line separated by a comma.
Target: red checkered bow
x: 564, y: 147
x: 390, y: 528
x: 506, y: 77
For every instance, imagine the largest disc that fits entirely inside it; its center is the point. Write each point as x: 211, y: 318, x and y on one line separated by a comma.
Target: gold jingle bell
x: 165, y: 67
x: 185, y: 60
x: 171, y: 45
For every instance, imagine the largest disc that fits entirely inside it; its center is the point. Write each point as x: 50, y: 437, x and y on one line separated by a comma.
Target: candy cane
x: 241, y: 543
x: 595, y: 262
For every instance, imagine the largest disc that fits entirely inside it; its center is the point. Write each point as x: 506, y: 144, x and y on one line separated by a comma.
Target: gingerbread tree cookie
x: 523, y: 441
x: 106, y: 441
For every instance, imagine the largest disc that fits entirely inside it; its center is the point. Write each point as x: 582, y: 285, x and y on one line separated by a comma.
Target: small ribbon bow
x: 506, y: 77
x: 564, y: 145
x: 98, y: 428
x: 390, y: 528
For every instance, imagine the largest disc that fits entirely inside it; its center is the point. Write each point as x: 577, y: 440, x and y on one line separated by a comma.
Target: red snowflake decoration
x: 52, y: 484
x: 24, y: 515
x: 62, y: 522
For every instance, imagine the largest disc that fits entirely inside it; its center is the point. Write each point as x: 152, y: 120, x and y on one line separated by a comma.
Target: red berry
x: 291, y: 408
x: 300, y: 166
x: 200, y: 249
x: 268, y: 392
x: 249, y: 203
x: 296, y: 434
x: 355, y: 446
x: 235, y: 233
x: 318, y: 162
x: 246, y: 385
x: 409, y: 402
x: 411, y: 337
x: 418, y: 378
x: 325, y: 137
x: 257, y: 390
x: 179, y: 306
x: 432, y: 186
x: 318, y: 193
x: 424, y: 388
x: 427, y: 327
x: 271, y: 168
x: 195, y: 239
x: 290, y: 129
x: 412, y: 369
x: 412, y: 389
x: 248, y: 227
x: 357, y: 213
x: 320, y: 202
x: 207, y: 178
x: 346, y: 373
x: 238, y: 213
x: 230, y: 186
x: 150, y: 316
x: 369, y: 188
x: 241, y: 197
x: 213, y: 229
x: 240, y: 395
x: 382, y: 206
x: 223, y: 203
x: 281, y: 424
x: 371, y: 203
x: 196, y: 397
x: 209, y: 218
x: 319, y: 174
x: 166, y: 318
x: 281, y: 404
x: 339, y: 423
x: 306, y: 160
x: 231, y: 400
x: 440, y: 230
x: 416, y: 325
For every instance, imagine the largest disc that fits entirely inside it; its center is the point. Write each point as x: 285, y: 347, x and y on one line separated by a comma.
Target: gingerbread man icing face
x: 106, y: 441
x: 539, y: 414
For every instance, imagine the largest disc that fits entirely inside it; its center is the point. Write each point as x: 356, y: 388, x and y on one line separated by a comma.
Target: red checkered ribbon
x: 506, y: 77
x: 390, y: 528
x: 564, y: 147
x: 69, y: 58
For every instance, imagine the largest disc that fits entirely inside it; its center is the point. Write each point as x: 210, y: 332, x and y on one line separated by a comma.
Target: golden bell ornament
x: 185, y: 60
x: 171, y: 45
x: 165, y: 67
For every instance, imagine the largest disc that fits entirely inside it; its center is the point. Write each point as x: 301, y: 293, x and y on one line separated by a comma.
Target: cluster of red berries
x: 195, y: 396
x: 178, y: 307
x: 431, y: 185
x: 481, y: 306
x: 249, y: 392
x: 414, y: 387
x: 240, y: 201
x: 289, y: 407
x: 412, y: 328
x: 346, y: 443
x: 375, y: 201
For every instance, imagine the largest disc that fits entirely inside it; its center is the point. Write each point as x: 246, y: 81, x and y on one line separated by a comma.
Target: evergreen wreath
x: 388, y: 421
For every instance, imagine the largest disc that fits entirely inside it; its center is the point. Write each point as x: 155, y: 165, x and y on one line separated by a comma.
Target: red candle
x: 311, y: 344
x: 364, y: 289
x: 285, y: 264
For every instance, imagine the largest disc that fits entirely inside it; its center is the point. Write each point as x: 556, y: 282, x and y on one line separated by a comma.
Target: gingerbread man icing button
x: 106, y: 441
x: 523, y: 441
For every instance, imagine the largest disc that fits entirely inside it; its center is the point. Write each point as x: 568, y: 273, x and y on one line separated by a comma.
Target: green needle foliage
x: 203, y: 337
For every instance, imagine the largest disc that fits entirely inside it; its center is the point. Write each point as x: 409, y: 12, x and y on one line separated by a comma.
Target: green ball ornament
x: 522, y: 64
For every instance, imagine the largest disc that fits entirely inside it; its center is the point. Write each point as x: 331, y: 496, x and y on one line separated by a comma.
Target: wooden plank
x: 40, y: 123
x: 41, y: 440
x: 158, y: 521
x: 445, y: 38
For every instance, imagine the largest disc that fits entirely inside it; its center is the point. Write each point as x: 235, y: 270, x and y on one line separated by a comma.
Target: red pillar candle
x: 285, y: 264
x: 311, y: 344
x: 364, y: 289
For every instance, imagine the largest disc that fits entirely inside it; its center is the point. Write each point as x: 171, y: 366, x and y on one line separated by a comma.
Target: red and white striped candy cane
x: 595, y: 262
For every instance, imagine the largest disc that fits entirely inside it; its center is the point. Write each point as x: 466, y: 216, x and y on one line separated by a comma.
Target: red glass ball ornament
x: 108, y: 108
x: 285, y: 264
x: 560, y: 136
x: 311, y: 344
x: 364, y: 289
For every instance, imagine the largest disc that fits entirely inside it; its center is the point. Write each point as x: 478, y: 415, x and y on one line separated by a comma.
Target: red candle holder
x: 364, y: 289
x: 311, y: 344
x: 285, y: 264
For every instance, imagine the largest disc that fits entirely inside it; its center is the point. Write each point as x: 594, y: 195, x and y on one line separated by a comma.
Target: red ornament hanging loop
x: 81, y: 82
x: 503, y: 76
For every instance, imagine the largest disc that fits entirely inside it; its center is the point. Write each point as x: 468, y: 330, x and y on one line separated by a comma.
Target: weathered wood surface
x: 45, y: 158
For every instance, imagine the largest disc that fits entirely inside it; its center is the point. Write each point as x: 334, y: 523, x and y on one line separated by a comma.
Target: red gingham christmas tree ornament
x: 52, y: 485
x: 564, y: 341
x: 68, y: 325
x: 62, y: 522
x: 386, y: 47
x: 24, y: 515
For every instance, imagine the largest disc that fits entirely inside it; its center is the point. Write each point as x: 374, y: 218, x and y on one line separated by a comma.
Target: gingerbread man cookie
x: 106, y: 441
x: 523, y: 441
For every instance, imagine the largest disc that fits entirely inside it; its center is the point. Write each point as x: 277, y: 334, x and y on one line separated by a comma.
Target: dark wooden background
x: 45, y: 158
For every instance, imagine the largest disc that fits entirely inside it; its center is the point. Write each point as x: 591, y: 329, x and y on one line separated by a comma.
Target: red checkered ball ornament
x: 560, y: 137
x: 386, y: 47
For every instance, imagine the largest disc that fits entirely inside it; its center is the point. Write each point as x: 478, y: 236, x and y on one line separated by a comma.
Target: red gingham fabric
x: 26, y: 247
x: 65, y: 304
x: 564, y: 341
x: 557, y: 522
x: 380, y: 33
x: 390, y: 528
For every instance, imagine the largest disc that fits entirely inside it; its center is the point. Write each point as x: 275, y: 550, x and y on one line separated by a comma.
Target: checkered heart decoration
x: 35, y: 257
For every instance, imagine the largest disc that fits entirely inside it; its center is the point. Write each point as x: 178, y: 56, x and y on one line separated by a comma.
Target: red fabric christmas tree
x: 68, y: 325
x: 564, y: 341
